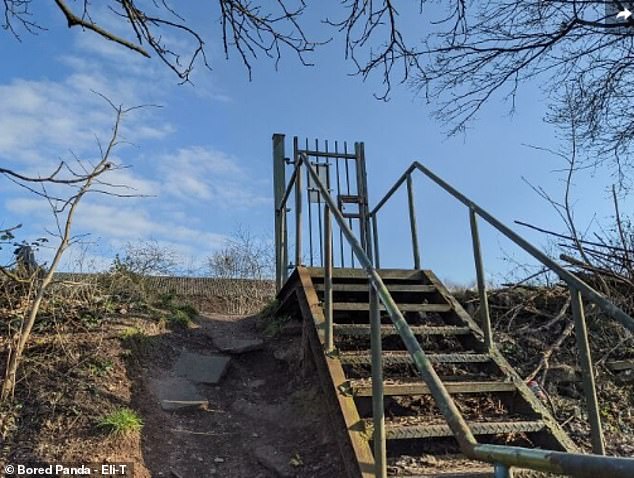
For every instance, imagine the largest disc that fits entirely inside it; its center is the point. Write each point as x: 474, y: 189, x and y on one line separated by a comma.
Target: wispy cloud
x: 43, y: 120
x: 198, y: 173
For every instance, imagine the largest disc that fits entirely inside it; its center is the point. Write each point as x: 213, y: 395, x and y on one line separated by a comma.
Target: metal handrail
x: 568, y: 277
x: 501, y: 456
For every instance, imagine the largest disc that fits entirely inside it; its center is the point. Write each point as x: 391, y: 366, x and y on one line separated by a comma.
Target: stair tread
x: 363, y: 387
x: 390, y: 287
x: 402, y: 428
x: 434, y: 465
x: 363, y: 306
x: 394, y: 358
x: 386, y: 330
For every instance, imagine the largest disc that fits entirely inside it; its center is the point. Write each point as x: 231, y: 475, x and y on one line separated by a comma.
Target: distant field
x: 232, y: 296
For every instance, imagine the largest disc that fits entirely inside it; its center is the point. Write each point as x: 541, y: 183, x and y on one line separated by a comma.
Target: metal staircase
x: 415, y: 386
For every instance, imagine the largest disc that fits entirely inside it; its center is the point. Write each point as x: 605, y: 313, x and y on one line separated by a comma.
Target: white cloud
x: 122, y: 221
x: 198, y: 173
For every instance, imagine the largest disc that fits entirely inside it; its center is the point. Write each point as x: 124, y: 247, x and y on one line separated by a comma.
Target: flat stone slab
x: 235, y: 345
x: 208, y: 369
x: 176, y: 393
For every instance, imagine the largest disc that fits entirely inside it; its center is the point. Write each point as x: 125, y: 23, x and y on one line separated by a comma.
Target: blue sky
x: 205, y: 156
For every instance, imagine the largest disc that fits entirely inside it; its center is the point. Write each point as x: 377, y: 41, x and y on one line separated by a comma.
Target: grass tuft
x: 121, y: 422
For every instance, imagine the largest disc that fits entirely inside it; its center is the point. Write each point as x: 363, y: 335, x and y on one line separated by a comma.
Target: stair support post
x: 485, y: 317
x: 443, y: 400
x: 585, y: 362
x: 412, y: 221
x: 378, y: 407
x: 298, y: 203
x: 329, y: 338
x: 502, y: 471
x: 375, y: 237
x: 279, y: 170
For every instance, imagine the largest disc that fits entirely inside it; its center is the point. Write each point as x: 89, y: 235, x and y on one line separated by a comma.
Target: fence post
x: 412, y: 221
x: 279, y: 185
x: 328, y: 278
x: 585, y: 361
x: 378, y: 407
x: 485, y: 317
x: 375, y: 236
x: 298, y: 204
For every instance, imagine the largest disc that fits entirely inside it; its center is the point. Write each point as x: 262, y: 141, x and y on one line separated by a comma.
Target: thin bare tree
x: 85, y: 179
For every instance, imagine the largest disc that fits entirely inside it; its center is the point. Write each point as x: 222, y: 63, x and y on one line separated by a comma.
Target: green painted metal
x: 568, y: 277
x: 279, y: 183
x: 375, y: 236
x: 412, y: 222
x: 485, y: 317
x: 330, y: 344
x: 446, y: 405
x: 298, y: 203
x: 502, y: 471
x: 585, y: 361
x: 378, y: 408
x: 573, y: 464
x: 503, y: 457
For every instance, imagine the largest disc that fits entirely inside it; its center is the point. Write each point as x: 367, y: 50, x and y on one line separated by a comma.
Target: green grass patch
x: 121, y: 422
x: 269, y: 309
x: 137, y: 341
x: 273, y: 325
x: 178, y: 318
x: 100, y: 366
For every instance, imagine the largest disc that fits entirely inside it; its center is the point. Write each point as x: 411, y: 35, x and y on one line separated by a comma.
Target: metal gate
x: 341, y: 167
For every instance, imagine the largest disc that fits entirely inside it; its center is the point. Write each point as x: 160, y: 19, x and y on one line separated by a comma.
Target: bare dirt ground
x: 264, y: 419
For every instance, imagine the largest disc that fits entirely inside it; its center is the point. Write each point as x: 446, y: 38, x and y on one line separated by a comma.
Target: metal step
x: 391, y: 287
x: 399, y: 429
x: 398, y: 358
x: 438, y: 466
x: 484, y: 472
x: 452, y: 474
x: 363, y: 388
x: 361, y: 330
x: 364, y: 306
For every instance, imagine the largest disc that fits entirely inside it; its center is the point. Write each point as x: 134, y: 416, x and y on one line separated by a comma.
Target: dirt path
x: 263, y: 419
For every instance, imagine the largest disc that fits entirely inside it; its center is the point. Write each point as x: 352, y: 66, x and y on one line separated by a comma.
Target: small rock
x: 123, y: 311
x: 219, y: 460
x: 272, y: 460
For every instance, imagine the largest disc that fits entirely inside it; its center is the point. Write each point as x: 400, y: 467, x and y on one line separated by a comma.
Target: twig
x: 543, y: 363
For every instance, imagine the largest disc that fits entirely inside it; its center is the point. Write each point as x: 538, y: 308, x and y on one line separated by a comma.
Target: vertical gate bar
x: 319, y: 216
x: 485, y: 317
x: 345, y: 151
x: 298, y: 204
x: 337, y: 161
x: 279, y: 187
x: 310, y: 213
x: 585, y: 361
x: 378, y: 407
x: 328, y: 278
x: 375, y: 235
x: 412, y: 221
